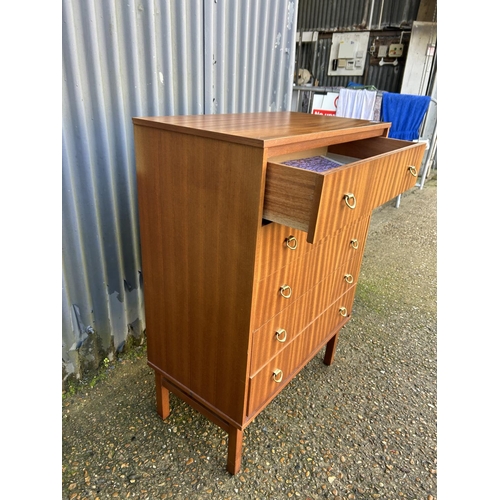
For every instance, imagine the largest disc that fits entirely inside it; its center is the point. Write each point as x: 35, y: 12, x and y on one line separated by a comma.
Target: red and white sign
x: 326, y: 112
x: 325, y: 104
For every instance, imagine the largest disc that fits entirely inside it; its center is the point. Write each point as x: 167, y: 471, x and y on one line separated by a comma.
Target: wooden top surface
x: 263, y: 129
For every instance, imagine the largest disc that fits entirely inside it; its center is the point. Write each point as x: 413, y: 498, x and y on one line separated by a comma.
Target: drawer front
x: 320, y: 203
x: 280, y: 245
x: 394, y: 165
x: 302, y: 274
x: 346, y: 244
x: 279, y: 331
x: 277, y: 247
x: 276, y: 374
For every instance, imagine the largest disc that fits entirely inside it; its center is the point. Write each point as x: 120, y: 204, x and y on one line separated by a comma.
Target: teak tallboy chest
x: 249, y: 264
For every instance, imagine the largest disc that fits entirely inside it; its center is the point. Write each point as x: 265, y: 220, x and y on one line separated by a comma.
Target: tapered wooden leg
x: 331, y: 347
x: 162, y: 397
x: 234, y: 450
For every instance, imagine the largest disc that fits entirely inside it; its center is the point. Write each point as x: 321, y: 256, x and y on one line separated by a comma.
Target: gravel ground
x: 363, y: 428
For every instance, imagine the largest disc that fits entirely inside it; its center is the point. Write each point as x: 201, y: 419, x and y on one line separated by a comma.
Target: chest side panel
x: 199, y: 205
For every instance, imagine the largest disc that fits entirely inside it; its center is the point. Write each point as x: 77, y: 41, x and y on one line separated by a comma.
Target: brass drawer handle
x: 281, y: 335
x: 343, y: 311
x: 413, y: 170
x: 348, y: 278
x: 285, y: 291
x: 277, y: 375
x: 291, y: 242
x: 354, y: 244
x: 347, y: 198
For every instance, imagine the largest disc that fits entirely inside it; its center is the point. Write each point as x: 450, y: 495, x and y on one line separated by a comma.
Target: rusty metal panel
x: 144, y: 58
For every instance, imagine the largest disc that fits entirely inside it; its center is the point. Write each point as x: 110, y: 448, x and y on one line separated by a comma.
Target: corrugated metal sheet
x: 386, y: 78
x: 347, y: 15
x: 383, y: 18
x: 251, y: 51
x: 145, y: 58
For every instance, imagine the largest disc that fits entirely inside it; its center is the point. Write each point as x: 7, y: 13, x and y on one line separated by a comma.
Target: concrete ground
x: 363, y: 428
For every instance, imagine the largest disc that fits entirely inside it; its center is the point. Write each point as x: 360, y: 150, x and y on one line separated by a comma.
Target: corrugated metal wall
x: 145, y: 58
x: 347, y: 15
x: 386, y: 78
x: 383, y: 18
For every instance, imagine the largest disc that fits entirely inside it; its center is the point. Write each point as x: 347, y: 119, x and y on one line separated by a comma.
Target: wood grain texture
x: 314, y: 202
x: 275, y: 131
x: 199, y: 206
x: 389, y: 161
x: 272, y: 251
x: 296, y: 355
x: 302, y: 274
x: 294, y: 318
x: 289, y: 195
x: 273, y: 254
x: 212, y: 270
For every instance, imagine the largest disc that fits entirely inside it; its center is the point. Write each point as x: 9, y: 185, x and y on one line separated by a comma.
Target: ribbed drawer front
x: 394, y: 165
x: 279, y: 246
x: 276, y: 374
x: 321, y: 202
x: 304, y: 273
x: 280, y: 330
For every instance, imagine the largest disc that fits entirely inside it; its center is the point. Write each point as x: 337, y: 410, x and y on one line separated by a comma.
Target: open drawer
x: 364, y: 175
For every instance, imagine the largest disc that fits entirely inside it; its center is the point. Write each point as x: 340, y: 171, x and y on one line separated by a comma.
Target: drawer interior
x: 303, y: 192
x: 368, y: 148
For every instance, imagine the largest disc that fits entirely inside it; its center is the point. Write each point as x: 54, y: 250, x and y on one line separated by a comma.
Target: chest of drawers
x: 250, y: 264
